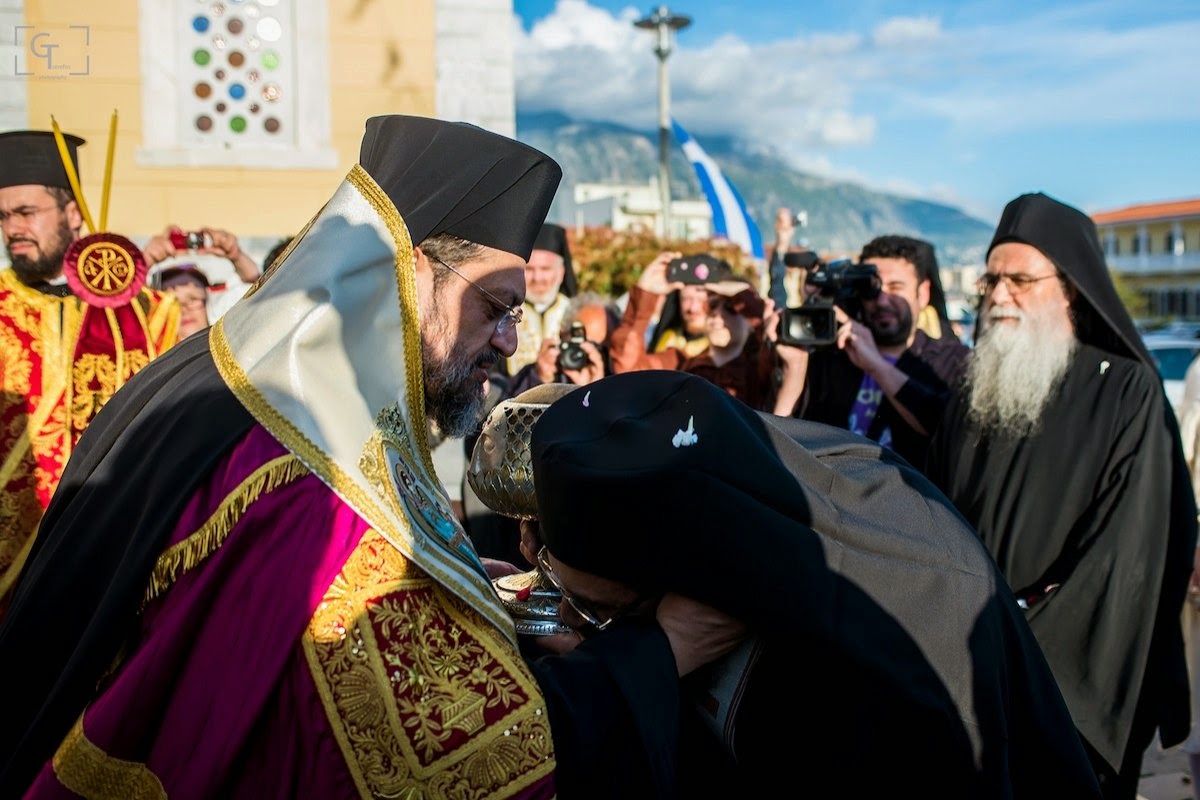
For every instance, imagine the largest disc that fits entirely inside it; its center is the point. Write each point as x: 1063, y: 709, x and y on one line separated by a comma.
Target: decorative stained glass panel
x: 239, y: 64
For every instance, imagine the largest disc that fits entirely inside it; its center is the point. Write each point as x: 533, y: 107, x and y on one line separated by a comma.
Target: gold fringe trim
x: 183, y: 556
x: 89, y: 772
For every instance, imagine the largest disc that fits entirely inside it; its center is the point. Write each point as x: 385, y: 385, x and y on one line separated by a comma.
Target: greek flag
x: 730, y: 218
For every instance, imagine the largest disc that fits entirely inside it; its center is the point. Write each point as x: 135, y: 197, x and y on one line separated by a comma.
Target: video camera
x: 841, y: 284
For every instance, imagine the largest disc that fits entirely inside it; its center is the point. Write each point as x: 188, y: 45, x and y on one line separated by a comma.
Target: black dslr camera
x: 841, y: 284
x: 571, y: 354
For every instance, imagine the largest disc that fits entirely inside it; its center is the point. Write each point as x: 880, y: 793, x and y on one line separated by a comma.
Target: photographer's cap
x: 31, y: 158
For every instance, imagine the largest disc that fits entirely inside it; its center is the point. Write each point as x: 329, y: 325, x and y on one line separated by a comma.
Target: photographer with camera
x: 788, y: 267
x: 865, y: 365
x: 215, y: 253
x: 735, y: 359
x: 579, y: 354
x: 175, y: 241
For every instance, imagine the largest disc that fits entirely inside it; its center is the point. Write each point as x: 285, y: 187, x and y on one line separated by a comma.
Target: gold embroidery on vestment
x: 424, y: 697
x: 89, y: 772
x: 368, y: 502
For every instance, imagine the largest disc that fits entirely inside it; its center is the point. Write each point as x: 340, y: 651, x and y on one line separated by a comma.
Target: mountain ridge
x: 842, y: 216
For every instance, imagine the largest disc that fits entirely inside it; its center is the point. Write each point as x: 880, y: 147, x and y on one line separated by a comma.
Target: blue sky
x: 970, y: 103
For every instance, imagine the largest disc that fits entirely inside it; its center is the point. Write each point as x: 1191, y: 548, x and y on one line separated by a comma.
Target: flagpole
x: 664, y: 22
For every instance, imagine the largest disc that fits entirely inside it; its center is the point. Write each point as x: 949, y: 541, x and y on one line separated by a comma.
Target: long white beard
x: 1015, y: 370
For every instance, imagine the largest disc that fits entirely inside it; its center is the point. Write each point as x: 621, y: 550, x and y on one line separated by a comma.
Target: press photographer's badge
x: 104, y: 269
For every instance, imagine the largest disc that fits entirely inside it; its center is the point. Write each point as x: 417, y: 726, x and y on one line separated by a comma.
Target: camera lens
x: 572, y: 356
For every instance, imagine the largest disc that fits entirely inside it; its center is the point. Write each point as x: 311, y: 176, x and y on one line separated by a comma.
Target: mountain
x: 841, y: 216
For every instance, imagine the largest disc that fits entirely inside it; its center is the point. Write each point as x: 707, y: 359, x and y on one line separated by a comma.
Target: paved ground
x: 1165, y: 775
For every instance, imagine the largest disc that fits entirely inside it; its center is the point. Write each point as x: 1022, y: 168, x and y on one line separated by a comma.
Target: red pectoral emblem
x: 104, y: 269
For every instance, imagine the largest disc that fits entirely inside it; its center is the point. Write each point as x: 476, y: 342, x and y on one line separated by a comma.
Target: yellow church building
x: 244, y: 115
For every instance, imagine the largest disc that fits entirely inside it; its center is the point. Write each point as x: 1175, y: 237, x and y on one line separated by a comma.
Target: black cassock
x: 1087, y: 506
x: 1098, y: 505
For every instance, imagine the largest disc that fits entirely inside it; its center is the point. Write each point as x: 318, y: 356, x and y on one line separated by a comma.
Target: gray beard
x: 1015, y: 371
x: 453, y: 400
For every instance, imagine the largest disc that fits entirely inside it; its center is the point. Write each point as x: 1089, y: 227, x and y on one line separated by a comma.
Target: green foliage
x: 1135, y: 302
x: 609, y: 262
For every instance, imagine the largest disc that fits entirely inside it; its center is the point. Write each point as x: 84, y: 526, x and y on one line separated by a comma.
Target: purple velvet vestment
x: 228, y: 689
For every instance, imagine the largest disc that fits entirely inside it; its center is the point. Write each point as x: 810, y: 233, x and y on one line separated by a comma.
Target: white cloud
x: 822, y: 96
x: 905, y: 31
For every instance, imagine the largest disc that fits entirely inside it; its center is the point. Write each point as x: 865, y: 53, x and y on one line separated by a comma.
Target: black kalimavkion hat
x: 32, y: 158
x: 457, y: 178
x: 553, y: 237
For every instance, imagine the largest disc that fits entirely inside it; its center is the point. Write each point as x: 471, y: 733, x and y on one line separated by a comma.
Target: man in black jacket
x: 885, y: 379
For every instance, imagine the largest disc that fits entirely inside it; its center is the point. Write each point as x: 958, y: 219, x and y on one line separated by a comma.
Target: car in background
x: 1177, y: 328
x: 1172, y: 355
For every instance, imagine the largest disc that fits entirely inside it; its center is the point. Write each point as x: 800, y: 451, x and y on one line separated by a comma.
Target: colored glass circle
x: 237, y: 91
x: 201, y: 56
x: 270, y: 59
x: 220, y: 107
x: 252, y: 76
x: 204, y: 123
x: 255, y: 108
x: 234, y: 25
x: 218, y: 42
x: 237, y: 124
x: 199, y: 23
x: 219, y: 74
x: 218, y: 9
x: 271, y: 92
x: 237, y: 58
x: 202, y: 90
x: 268, y: 29
x: 271, y: 125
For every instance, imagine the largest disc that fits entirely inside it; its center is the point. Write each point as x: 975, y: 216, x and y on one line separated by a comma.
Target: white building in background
x: 629, y: 206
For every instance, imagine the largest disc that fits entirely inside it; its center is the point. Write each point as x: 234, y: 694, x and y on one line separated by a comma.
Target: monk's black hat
x: 553, y: 237
x: 460, y: 179
x: 1068, y: 237
x: 31, y: 158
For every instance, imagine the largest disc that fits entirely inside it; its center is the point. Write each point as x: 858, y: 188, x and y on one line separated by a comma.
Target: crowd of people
x: 232, y: 566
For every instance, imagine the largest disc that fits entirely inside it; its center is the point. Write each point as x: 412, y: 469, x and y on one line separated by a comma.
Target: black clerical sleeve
x: 614, y: 709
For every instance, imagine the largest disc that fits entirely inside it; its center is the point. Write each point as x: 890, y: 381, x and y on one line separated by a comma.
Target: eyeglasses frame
x: 592, y: 618
x: 512, y: 315
x: 1017, y: 283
